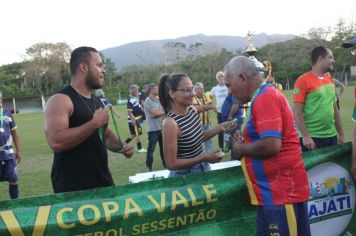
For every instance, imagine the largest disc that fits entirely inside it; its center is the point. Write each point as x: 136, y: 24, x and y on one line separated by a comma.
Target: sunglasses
x: 186, y: 90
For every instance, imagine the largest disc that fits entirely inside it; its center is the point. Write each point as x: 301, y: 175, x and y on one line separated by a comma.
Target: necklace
x: 86, y: 103
x: 248, y: 115
x: 101, y: 129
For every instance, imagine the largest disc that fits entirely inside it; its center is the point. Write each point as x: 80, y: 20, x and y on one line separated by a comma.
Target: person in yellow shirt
x: 203, y: 104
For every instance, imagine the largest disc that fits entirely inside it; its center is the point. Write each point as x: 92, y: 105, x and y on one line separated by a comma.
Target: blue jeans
x: 153, y: 138
x: 208, y: 143
x: 197, y: 168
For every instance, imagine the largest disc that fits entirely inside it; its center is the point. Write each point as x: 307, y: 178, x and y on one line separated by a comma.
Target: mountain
x: 157, y: 51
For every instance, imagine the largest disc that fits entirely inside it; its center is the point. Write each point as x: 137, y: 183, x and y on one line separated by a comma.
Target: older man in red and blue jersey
x: 270, y: 153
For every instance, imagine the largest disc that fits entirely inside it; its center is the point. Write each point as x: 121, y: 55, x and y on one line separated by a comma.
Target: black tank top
x: 86, y: 165
x: 191, y: 139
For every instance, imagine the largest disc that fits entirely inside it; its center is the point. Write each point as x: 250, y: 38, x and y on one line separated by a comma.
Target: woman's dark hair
x: 166, y: 83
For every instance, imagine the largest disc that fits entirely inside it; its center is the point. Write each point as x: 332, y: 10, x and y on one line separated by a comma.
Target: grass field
x: 35, y: 167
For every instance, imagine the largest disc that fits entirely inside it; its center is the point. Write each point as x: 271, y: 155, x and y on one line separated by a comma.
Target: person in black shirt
x: 143, y: 95
x: 76, y: 128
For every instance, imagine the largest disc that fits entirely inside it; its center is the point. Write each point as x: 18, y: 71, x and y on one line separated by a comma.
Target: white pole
x: 14, y: 104
x: 43, y: 103
x: 345, y: 79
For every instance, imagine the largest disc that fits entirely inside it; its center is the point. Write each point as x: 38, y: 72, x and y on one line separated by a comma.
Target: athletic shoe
x: 148, y: 169
x: 142, y: 150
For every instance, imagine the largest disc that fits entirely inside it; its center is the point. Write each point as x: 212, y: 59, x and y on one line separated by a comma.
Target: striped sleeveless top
x: 191, y: 138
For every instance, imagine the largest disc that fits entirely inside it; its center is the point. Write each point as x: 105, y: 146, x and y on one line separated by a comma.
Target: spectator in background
x: 203, y: 104
x: 154, y: 115
x: 339, y: 90
x: 315, y: 110
x: 270, y: 79
x: 143, y: 95
x: 9, y: 159
x: 106, y: 101
x: 352, y: 44
x: 270, y: 153
x: 135, y: 118
x: 76, y: 128
x: 219, y: 92
x: 181, y: 130
x: 231, y: 110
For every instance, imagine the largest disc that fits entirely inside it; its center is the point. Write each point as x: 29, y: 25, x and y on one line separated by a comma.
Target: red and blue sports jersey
x: 279, y: 179
x: 354, y: 112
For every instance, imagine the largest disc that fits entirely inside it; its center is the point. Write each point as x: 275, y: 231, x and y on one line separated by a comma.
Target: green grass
x: 35, y: 167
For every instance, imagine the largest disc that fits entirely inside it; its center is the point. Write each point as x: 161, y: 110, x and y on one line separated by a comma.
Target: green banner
x: 213, y: 203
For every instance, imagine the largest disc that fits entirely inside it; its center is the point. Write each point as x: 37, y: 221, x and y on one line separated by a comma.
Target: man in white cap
x: 352, y: 44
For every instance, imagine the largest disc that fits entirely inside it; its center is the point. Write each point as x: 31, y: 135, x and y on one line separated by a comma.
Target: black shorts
x: 8, y: 171
x: 135, y: 130
x: 320, y: 142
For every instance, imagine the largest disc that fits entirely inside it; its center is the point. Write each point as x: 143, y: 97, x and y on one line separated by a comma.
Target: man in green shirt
x: 315, y: 110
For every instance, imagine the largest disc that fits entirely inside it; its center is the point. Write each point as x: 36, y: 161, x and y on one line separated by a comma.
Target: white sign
x: 353, y: 70
x: 332, y: 199
x: 161, y: 174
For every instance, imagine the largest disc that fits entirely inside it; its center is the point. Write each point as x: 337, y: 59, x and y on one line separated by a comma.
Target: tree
x: 47, y: 70
x: 11, y: 77
x: 175, y: 53
x: 342, y: 32
x: 194, y: 51
x: 110, y: 70
x: 319, y: 34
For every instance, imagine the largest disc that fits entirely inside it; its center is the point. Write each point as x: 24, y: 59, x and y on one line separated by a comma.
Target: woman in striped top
x: 181, y: 129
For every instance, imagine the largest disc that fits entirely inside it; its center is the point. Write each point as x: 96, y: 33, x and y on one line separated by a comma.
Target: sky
x: 110, y: 23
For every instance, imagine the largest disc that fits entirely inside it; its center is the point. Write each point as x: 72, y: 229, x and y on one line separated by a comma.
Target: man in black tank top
x: 76, y: 128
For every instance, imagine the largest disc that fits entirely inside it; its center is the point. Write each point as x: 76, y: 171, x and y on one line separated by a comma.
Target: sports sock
x: 128, y: 140
x: 139, y: 146
x: 14, y: 191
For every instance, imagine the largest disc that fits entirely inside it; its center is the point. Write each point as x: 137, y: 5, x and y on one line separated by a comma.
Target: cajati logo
x: 332, y: 199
